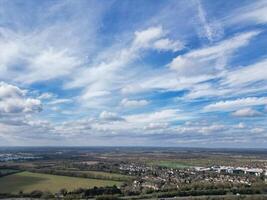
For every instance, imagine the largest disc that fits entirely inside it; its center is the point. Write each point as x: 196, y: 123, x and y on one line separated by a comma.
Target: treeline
x: 210, y: 192
x: 195, y: 189
x: 101, y: 192
x: 213, y: 192
x: 79, y: 174
x: 194, y: 193
x: 8, y: 171
x: 96, y: 191
x: 109, y: 193
x: 111, y: 167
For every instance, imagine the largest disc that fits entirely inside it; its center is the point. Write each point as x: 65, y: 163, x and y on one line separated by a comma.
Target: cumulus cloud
x: 14, y: 100
x: 133, y: 103
x: 246, y: 112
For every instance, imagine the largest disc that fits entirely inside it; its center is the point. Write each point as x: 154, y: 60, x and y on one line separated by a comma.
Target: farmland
x: 170, y: 164
x: 27, y: 182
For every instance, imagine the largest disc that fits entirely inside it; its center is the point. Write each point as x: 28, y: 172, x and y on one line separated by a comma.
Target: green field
x: 27, y: 182
x: 170, y: 164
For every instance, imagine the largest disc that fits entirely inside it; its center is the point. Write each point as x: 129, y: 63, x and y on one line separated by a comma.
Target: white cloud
x: 167, y: 45
x: 37, y: 59
x: 155, y: 38
x: 258, y: 130
x: 10, y: 91
x: 206, y: 90
x: 163, y: 80
x: 50, y: 64
x: 246, y: 112
x: 254, y: 12
x: 201, y: 129
x: 210, y: 60
x: 166, y: 115
x: 59, y: 101
x: 46, y: 95
x: 240, y: 125
x: 11, y: 50
x: 156, y: 126
x: 211, y: 30
x: 247, y: 74
x: 35, y: 48
x: 13, y: 100
x: 110, y: 116
x: 133, y: 103
x: 145, y: 37
x: 93, y: 94
x: 230, y: 105
x: 243, y: 80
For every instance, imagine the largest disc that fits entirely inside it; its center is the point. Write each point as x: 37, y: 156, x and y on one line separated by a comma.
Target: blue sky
x: 133, y: 73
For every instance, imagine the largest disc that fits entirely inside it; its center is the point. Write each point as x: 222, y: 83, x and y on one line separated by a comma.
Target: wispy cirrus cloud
x: 212, y: 59
x: 212, y: 30
x: 254, y: 12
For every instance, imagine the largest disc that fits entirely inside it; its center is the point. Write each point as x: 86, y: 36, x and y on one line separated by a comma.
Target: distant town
x: 159, y: 178
x: 19, y: 156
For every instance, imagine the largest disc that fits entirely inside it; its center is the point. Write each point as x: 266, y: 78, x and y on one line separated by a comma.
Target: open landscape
x: 132, y: 173
x: 133, y: 99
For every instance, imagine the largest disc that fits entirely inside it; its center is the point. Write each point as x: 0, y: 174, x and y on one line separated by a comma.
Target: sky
x: 187, y: 73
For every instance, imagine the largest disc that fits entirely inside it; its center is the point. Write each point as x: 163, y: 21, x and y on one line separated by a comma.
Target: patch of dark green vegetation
x: 8, y: 171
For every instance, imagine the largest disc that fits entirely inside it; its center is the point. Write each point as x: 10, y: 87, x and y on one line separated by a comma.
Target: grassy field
x: 170, y: 164
x: 88, y: 174
x: 27, y: 182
